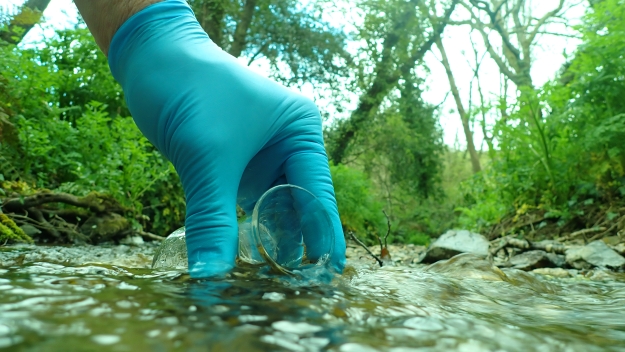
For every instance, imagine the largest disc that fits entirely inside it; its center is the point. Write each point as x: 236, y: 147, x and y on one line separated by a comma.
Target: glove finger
x: 210, y: 176
x: 311, y: 171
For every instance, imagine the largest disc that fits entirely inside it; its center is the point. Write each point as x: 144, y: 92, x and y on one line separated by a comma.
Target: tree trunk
x: 475, y: 159
x: 240, y: 33
x: 210, y: 14
x: 385, y: 79
x: 29, y: 15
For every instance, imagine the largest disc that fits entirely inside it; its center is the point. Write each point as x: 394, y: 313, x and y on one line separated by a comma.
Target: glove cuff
x: 129, y: 37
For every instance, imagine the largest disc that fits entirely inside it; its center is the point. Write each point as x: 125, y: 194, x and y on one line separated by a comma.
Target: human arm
x: 230, y: 133
x: 104, y: 17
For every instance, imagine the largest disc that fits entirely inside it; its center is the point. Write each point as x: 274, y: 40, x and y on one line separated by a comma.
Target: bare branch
x: 464, y: 117
x: 496, y: 57
x: 496, y: 23
x: 544, y: 19
x: 258, y: 52
x: 150, y: 236
x: 351, y: 234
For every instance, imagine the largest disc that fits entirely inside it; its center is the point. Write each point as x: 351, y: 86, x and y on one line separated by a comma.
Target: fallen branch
x: 366, y: 249
x: 38, y: 221
x: 38, y: 216
x: 557, y: 248
x: 18, y: 204
x: 525, y: 245
x: 585, y: 231
x: 150, y: 236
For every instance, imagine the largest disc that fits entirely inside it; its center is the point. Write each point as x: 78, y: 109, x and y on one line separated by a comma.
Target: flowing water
x: 108, y: 298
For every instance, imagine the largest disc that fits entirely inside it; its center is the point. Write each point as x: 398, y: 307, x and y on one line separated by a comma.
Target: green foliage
x: 299, y: 45
x: 562, y: 145
x: 401, y: 151
x: 359, y: 210
x: 70, y: 131
x: 419, y: 239
x: 81, y: 74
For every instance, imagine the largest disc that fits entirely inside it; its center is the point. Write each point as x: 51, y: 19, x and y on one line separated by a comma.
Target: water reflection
x: 94, y: 298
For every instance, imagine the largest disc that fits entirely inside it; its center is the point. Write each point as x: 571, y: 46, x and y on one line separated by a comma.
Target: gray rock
x: 454, y: 242
x: 536, y: 259
x: 596, y: 254
x: 30, y: 230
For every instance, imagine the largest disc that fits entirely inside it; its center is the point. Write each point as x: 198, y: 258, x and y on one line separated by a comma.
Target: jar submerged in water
x: 289, y: 230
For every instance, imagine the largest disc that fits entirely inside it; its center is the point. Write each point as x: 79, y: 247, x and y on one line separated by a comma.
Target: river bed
x: 87, y: 298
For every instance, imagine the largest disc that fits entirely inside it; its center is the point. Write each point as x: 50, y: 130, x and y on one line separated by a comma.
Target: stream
x: 88, y: 298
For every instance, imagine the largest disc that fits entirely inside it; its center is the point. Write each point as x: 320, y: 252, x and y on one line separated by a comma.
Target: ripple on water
x: 97, y: 298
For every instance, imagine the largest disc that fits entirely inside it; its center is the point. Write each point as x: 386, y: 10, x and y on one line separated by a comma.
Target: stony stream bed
x: 87, y: 298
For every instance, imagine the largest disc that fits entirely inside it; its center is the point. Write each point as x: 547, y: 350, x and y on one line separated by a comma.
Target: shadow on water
x: 97, y: 298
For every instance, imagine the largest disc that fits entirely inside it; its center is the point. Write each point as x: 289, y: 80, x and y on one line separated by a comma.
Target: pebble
x: 555, y: 272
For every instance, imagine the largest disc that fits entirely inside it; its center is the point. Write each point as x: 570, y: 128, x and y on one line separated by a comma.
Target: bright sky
x: 548, y: 58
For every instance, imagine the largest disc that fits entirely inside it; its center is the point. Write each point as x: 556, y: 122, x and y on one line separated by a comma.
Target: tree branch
x: 385, y: 79
x: 496, y: 23
x: 30, y: 14
x: 17, y: 204
x: 240, y: 33
x: 475, y: 160
x: 491, y: 51
x: 544, y: 19
x: 351, y: 234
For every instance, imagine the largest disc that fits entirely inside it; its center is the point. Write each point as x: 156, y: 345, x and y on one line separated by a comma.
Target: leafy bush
x: 359, y: 210
x: 562, y: 146
x: 64, y: 127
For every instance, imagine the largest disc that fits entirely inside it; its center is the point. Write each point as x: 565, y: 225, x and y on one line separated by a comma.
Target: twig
x: 585, y: 231
x: 380, y: 241
x: 366, y: 249
x: 604, y: 232
x: 388, y: 231
x: 151, y: 236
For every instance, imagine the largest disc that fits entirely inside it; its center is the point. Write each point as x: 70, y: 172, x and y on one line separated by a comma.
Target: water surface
x: 108, y: 298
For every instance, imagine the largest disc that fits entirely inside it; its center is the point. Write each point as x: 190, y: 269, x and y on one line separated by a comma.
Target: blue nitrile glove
x: 230, y: 133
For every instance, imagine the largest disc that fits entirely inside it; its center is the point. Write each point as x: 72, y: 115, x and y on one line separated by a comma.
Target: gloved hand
x: 230, y: 133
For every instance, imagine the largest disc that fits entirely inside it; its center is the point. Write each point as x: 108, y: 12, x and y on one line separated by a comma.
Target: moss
x: 11, y: 233
x: 105, y: 226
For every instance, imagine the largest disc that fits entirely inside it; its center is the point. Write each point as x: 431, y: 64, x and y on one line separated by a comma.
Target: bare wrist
x: 104, y: 17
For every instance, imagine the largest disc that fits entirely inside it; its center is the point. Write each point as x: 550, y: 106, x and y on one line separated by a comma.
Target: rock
x: 555, y: 272
x: 132, y: 240
x: 105, y: 227
x: 619, y: 248
x: 454, y: 242
x: 536, y: 259
x: 597, y: 254
x: 30, y: 230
